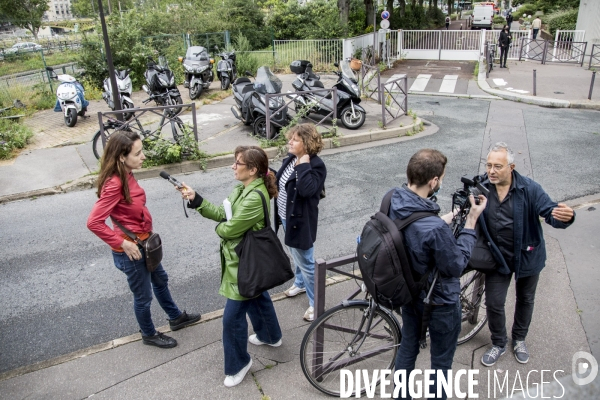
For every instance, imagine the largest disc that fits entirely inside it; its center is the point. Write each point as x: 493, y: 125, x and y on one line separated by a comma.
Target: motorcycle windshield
x: 266, y: 82
x: 196, y: 53
x: 347, y: 71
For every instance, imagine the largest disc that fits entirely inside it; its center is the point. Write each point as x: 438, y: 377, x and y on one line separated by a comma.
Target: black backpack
x: 382, y: 259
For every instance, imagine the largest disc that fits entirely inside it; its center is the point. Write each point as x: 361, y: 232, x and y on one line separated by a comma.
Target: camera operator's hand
x: 476, y: 210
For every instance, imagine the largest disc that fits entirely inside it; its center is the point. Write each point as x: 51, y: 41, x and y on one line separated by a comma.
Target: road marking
x: 448, y: 84
x: 517, y: 90
x: 500, y: 82
x: 395, y: 76
x: 420, y: 83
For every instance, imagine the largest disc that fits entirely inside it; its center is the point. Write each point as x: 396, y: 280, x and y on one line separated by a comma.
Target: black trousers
x: 496, y: 288
x: 503, y: 55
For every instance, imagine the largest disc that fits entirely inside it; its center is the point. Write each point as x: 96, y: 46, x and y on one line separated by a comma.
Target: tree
x: 344, y: 7
x: 370, y: 12
x: 25, y: 14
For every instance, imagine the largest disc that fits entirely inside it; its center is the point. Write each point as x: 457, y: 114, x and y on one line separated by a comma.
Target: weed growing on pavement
x: 476, y: 70
x: 380, y: 125
x: 281, y: 141
x: 13, y: 136
x: 161, y: 151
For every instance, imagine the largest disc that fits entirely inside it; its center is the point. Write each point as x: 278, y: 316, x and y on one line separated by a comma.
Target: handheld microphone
x: 173, y: 181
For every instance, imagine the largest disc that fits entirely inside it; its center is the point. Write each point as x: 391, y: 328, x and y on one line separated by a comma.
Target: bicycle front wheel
x: 177, y: 128
x: 472, y: 301
x: 97, y: 146
x: 339, y: 340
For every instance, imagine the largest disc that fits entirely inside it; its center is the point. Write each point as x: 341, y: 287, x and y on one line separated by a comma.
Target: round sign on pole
x: 385, y: 15
x: 384, y: 24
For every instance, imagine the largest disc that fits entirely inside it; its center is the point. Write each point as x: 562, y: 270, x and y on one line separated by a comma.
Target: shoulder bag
x: 482, y: 259
x: 152, y: 247
x: 263, y: 263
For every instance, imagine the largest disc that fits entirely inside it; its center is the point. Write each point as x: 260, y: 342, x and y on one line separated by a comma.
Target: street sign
x: 385, y: 15
x: 384, y: 23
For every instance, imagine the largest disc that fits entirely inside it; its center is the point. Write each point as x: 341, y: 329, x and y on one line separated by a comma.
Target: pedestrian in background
x: 504, y: 42
x: 301, y: 180
x: 514, y: 233
x: 251, y: 168
x: 535, y: 26
x: 447, y: 22
x: 124, y: 200
x: 509, y: 21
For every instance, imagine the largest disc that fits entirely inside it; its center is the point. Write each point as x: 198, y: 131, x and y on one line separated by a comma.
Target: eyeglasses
x: 237, y: 164
x: 494, y: 167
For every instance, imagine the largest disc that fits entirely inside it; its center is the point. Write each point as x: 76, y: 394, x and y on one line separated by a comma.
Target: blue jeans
x: 264, y: 321
x: 444, y: 328
x: 142, y: 283
x: 304, y: 260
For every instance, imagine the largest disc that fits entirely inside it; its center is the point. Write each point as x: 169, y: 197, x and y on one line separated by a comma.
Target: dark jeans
x: 496, y: 287
x: 535, y: 33
x: 444, y: 328
x: 264, y: 321
x: 503, y: 55
x: 142, y: 283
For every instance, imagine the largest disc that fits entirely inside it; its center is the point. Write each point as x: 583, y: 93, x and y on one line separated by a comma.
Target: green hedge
x: 561, y: 20
x: 527, y: 9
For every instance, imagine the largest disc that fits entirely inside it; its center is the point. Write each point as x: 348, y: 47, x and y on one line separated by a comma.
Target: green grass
x: 33, y: 61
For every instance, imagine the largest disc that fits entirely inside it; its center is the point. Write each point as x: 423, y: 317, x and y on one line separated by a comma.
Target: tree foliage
x: 25, y: 14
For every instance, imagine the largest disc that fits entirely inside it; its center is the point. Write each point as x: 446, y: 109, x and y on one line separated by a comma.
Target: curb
x: 88, y: 182
x: 132, y: 338
x: 540, y: 101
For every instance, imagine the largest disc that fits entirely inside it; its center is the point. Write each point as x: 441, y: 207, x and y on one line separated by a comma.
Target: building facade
x: 59, y: 10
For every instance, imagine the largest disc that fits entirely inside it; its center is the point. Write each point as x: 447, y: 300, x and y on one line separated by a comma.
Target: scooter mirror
x: 336, y: 65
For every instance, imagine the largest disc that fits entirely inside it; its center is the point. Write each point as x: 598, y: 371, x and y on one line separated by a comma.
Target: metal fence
x: 440, y: 45
x: 31, y: 78
x: 514, y: 50
x: 553, y: 51
x: 394, y: 96
x: 595, y: 56
x: 322, y: 53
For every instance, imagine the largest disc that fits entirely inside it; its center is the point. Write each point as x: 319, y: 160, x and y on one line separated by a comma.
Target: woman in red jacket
x: 122, y: 199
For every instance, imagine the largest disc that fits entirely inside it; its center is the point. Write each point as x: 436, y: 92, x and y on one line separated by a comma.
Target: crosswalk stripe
x: 420, y: 83
x: 448, y: 84
x: 395, y: 76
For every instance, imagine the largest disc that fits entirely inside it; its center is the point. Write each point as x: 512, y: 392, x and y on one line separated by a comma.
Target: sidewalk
x: 126, y: 369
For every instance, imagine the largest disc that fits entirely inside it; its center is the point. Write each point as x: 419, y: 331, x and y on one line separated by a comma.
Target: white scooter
x: 124, y: 85
x: 70, y: 97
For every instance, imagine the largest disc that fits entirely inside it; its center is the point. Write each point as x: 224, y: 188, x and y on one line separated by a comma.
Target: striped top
x: 282, y: 196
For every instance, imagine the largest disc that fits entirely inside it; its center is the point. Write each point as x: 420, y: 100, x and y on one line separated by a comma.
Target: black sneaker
x: 159, y: 340
x: 183, y: 320
x: 492, y: 355
x: 520, y: 351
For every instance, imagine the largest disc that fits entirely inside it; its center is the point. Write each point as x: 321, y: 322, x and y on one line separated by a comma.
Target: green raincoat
x: 247, y: 213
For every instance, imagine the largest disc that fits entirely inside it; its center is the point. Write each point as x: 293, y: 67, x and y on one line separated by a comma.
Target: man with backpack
x: 430, y: 245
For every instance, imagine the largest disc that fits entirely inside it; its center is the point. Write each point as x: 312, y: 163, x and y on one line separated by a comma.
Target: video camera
x: 460, y: 200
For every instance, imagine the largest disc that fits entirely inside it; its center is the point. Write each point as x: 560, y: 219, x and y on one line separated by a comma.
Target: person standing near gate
x: 504, y: 41
x: 447, y: 22
x: 509, y: 20
x: 512, y: 225
x: 535, y: 26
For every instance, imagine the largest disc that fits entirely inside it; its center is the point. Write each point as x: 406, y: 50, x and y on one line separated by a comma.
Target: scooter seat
x: 241, y: 79
x: 315, y: 84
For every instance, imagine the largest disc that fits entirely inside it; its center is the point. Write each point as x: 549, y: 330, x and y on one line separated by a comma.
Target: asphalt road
x: 61, y: 291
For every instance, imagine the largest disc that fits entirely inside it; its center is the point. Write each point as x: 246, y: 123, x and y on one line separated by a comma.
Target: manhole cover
x: 559, y: 93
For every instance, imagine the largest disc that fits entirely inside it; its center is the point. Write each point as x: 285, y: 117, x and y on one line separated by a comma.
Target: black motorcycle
x: 161, y: 85
x: 198, y: 70
x: 252, y: 103
x: 226, y: 69
x: 348, y: 93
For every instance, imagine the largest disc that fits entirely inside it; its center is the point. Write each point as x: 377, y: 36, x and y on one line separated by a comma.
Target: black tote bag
x: 263, y: 263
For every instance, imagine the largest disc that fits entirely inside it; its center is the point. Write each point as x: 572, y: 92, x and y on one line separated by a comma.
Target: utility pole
x: 109, y: 61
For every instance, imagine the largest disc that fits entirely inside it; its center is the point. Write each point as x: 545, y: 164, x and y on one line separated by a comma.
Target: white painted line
x: 448, y: 84
x: 395, y: 76
x: 499, y: 82
x: 517, y: 90
x: 420, y: 83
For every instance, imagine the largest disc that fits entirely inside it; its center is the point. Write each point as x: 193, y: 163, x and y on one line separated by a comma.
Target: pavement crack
x: 82, y: 160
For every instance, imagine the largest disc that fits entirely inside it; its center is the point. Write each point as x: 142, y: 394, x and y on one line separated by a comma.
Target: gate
x: 517, y: 39
x: 553, y: 51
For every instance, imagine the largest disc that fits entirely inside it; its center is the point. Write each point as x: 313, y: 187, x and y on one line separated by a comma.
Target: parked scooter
x: 252, y: 104
x: 348, y: 93
x: 161, y: 85
x: 70, y: 97
x: 124, y: 85
x: 226, y: 68
x: 198, y: 70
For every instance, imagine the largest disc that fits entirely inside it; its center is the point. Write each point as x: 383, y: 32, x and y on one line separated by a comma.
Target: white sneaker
x: 254, y: 340
x: 309, y: 315
x: 294, y: 291
x: 233, y: 380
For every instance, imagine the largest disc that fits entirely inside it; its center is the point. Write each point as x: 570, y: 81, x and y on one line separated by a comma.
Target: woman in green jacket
x: 251, y: 168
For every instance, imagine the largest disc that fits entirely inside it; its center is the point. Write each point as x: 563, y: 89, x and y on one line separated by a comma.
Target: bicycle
x: 114, y: 125
x: 490, y: 57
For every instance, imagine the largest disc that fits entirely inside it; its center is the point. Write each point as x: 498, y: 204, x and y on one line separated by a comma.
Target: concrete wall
x: 588, y: 20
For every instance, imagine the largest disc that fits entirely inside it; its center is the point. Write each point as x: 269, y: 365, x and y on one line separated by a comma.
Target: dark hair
x: 255, y: 157
x: 425, y: 165
x: 310, y: 137
x: 120, y: 144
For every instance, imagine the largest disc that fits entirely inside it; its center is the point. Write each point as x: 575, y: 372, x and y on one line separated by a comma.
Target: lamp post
x: 111, y: 67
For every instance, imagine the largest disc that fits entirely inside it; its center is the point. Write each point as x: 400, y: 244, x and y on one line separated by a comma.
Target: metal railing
x: 533, y: 49
x: 595, y: 56
x: 441, y: 45
x: 553, y: 51
x: 398, y: 98
x: 368, y: 85
x: 514, y: 50
x: 321, y: 268
x: 31, y: 78
x: 322, y: 53
x: 288, y: 98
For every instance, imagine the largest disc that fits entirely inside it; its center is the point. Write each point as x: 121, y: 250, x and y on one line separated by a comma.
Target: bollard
x: 592, y: 85
x: 534, y: 83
